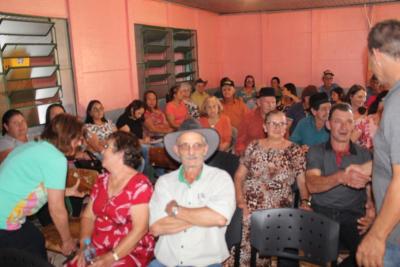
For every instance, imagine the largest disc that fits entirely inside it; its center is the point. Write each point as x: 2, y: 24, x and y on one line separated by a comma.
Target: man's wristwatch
x: 305, y: 201
x: 175, y: 210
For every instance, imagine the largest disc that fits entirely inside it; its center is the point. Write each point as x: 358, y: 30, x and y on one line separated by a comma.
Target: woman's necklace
x: 275, y: 144
x: 213, y: 121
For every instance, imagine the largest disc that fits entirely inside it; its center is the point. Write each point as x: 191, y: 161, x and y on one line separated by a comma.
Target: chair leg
x: 253, y: 257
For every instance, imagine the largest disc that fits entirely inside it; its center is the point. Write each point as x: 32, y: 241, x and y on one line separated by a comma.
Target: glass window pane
x: 35, y: 115
x: 20, y: 39
x: 32, y: 84
x: 30, y: 72
x: 18, y: 27
x: 27, y: 50
x: 35, y: 94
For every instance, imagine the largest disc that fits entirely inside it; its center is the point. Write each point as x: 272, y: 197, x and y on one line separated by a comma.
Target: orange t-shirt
x: 180, y: 112
x: 235, y: 111
x: 223, y: 127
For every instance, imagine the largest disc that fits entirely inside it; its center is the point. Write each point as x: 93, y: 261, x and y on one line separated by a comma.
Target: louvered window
x: 30, y: 66
x: 165, y: 56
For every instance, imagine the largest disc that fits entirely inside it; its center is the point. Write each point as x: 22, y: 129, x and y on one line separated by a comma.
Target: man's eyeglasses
x: 195, y: 147
x: 277, y: 124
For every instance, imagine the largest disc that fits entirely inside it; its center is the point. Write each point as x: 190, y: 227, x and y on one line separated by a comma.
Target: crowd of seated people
x: 276, y: 130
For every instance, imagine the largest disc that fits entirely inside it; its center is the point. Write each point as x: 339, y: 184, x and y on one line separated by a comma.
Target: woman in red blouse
x: 213, y: 118
x: 155, y: 121
x: 176, y: 110
x: 116, y: 217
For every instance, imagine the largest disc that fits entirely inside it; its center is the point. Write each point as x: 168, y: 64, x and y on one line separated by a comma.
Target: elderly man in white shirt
x: 192, y: 206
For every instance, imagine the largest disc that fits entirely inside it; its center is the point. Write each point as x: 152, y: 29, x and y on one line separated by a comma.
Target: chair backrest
x: 233, y: 141
x: 87, y: 178
x: 158, y: 157
x: 295, y: 234
x: 225, y: 161
x: 233, y: 235
x: 12, y: 257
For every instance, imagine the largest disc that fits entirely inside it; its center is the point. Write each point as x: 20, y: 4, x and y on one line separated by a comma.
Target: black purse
x: 92, y: 164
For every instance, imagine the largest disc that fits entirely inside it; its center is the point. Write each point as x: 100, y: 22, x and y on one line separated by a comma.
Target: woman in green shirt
x: 33, y: 174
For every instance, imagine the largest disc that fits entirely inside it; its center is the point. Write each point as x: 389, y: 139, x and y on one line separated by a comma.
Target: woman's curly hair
x: 129, y: 144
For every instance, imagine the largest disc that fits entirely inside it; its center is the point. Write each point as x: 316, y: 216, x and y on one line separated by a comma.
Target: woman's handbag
x: 92, y: 164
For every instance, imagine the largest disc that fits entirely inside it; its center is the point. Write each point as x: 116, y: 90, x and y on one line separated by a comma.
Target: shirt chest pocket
x: 196, y: 199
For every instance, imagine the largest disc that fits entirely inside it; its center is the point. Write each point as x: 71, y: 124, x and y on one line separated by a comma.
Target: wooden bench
x: 52, y: 237
x: 50, y: 233
x: 158, y: 157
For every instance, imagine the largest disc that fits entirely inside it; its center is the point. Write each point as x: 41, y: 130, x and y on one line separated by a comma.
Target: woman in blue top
x: 31, y: 175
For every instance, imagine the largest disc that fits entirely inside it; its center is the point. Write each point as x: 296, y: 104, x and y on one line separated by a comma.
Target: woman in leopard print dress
x: 265, y: 176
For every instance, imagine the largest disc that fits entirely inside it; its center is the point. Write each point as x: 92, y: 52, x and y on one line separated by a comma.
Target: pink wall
x: 47, y: 8
x: 104, y: 45
x: 160, y: 13
x: 101, y: 52
x: 298, y: 46
x: 102, y: 41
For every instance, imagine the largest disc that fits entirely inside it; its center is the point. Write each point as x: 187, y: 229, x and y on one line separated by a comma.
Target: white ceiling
x: 242, y: 6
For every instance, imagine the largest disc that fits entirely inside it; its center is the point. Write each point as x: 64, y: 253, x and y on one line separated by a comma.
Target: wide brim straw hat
x: 192, y: 125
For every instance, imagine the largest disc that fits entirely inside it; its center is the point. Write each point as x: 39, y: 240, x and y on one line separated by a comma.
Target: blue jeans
x: 145, y: 154
x: 392, y: 255
x: 156, y: 263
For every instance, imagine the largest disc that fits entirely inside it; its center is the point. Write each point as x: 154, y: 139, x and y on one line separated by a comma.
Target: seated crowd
x: 293, y: 151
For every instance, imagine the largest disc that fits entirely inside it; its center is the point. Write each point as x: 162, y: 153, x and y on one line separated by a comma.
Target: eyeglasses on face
x: 277, y: 124
x: 98, y: 109
x: 186, y: 147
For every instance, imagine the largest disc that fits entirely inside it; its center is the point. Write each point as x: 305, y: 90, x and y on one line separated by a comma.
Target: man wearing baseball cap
x: 234, y: 107
x: 311, y: 130
x: 327, y: 79
x: 251, y: 127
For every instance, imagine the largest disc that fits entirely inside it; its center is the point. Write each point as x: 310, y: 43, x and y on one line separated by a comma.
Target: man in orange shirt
x: 234, y: 107
x: 251, y: 127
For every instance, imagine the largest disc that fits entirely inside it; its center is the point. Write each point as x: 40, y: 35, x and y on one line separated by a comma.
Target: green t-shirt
x: 25, y: 175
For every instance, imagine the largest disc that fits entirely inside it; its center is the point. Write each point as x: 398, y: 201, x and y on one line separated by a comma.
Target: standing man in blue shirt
x: 381, y: 246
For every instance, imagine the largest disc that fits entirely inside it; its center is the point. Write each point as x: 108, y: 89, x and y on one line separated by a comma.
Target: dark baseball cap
x: 328, y: 72
x: 227, y: 81
x: 200, y: 80
x: 266, y: 91
x: 318, y: 99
